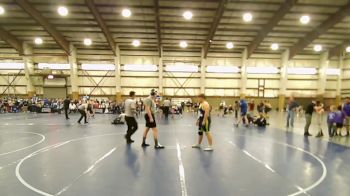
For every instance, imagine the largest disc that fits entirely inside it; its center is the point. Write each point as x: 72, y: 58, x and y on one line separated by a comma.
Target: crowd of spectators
x: 51, y: 105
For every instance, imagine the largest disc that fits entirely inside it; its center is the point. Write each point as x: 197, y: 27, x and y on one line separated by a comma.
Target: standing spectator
x: 251, y: 107
x: 103, y: 106
x: 166, y: 107
x: 346, y: 109
x: 308, y: 117
x: 244, y: 111
x: 331, y: 121
x: 339, y: 120
x: 319, y: 118
x: 66, y: 104
x: 261, y: 107
x: 236, y: 109
x: 291, y: 109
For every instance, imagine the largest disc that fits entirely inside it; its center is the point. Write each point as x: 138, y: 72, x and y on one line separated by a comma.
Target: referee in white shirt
x: 130, y: 112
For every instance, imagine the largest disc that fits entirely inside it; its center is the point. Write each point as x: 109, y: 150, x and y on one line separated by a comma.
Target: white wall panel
x: 224, y: 61
x: 224, y: 83
x: 140, y: 60
x: 331, y: 84
x: 264, y: 63
x: 139, y: 82
x: 222, y: 92
x: 181, y: 92
x: 131, y: 73
x: 177, y: 82
x: 302, y: 84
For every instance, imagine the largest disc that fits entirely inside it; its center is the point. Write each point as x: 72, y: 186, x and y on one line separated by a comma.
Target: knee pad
x: 200, y: 132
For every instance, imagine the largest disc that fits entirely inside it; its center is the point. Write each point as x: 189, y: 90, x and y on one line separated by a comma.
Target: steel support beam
x: 102, y: 24
x: 36, y: 15
x: 276, y: 18
x: 219, y: 13
x: 11, y: 40
x: 321, y: 29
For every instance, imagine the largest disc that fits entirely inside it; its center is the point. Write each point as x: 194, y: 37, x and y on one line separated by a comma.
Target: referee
x: 130, y: 112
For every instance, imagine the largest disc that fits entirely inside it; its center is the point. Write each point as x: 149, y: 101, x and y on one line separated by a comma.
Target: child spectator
x: 339, y: 120
x: 331, y: 121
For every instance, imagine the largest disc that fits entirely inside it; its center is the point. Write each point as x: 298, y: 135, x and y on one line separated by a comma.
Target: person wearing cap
x: 150, y: 106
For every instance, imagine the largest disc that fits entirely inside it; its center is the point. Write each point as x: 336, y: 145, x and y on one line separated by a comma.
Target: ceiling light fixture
x: 247, y: 17
x: 87, y: 41
x: 229, y: 45
x: 63, y: 11
x: 136, y: 43
x: 126, y: 13
x: 2, y: 10
x: 187, y: 15
x: 275, y: 46
x: 183, y: 44
x: 38, y: 41
x: 348, y: 49
x: 318, y: 48
x: 305, y: 19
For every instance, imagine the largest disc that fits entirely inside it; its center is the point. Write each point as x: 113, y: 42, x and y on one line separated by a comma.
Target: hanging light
x: 317, y: 48
x: 247, y: 17
x: 126, y: 13
x: 2, y: 10
x: 305, y: 19
x: 136, y: 43
x: 183, y: 44
x: 187, y: 15
x: 38, y: 41
x: 87, y: 41
x: 63, y: 11
x: 348, y: 49
x: 274, y: 46
x: 229, y: 45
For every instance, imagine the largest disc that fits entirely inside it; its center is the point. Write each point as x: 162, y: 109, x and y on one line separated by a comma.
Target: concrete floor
x: 46, y: 155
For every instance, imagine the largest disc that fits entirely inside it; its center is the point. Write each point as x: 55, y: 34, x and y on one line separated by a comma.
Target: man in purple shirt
x: 346, y: 110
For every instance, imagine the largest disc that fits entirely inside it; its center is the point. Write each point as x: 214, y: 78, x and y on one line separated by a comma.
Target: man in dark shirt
x: 308, y: 117
x: 66, y: 104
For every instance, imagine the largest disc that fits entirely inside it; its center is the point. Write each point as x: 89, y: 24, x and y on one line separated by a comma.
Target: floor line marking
x: 265, y: 165
x: 16, y: 140
x: 24, y: 148
x: 181, y: 171
x: 47, y: 148
x: 254, y: 158
x: 312, y: 186
x: 86, y: 171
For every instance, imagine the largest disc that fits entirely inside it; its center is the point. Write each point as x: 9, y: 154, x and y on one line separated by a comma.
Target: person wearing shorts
x: 150, y: 121
x: 339, y: 120
x: 244, y: 110
x: 203, y: 123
